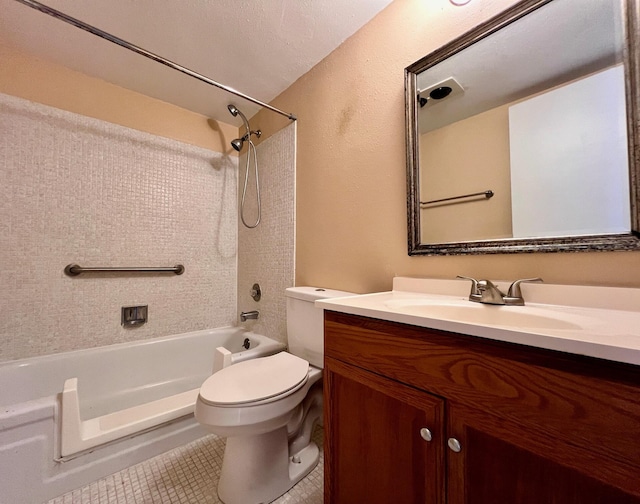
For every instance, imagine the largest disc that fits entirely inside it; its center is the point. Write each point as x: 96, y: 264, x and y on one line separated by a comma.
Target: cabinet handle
x: 454, y: 444
x: 426, y: 434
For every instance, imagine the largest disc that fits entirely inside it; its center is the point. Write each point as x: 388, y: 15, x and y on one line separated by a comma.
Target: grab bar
x: 487, y: 194
x: 75, y: 270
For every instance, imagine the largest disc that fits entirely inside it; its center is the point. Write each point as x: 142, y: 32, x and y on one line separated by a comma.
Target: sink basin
x: 482, y: 314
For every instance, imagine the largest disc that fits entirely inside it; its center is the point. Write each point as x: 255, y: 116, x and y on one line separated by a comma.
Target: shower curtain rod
x: 147, y: 54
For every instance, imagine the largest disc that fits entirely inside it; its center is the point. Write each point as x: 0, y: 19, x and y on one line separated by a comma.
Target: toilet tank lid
x: 313, y: 293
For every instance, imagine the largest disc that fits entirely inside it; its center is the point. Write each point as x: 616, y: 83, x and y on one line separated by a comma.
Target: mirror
x: 523, y: 134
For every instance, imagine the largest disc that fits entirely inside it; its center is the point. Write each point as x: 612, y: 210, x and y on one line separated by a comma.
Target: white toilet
x: 267, y: 407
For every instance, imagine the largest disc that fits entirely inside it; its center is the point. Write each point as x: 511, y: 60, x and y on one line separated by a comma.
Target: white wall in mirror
x: 569, y: 161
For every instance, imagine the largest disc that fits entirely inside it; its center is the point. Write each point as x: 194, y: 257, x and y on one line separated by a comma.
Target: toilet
x: 267, y: 407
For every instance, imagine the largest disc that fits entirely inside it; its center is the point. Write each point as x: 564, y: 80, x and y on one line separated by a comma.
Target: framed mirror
x: 523, y: 135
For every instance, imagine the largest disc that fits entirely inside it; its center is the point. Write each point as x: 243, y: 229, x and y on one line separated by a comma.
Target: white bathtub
x: 113, y: 383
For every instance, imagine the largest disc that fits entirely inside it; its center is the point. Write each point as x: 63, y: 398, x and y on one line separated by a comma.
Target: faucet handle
x: 475, y: 291
x: 514, y: 288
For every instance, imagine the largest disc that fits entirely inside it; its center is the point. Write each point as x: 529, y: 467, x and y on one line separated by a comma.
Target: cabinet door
x: 377, y: 450
x: 505, y: 463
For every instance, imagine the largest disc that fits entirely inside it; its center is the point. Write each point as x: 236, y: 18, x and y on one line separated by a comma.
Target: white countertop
x: 602, y: 322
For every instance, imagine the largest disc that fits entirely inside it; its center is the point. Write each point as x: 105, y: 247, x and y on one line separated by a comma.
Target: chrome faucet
x: 485, y: 291
x: 246, y: 315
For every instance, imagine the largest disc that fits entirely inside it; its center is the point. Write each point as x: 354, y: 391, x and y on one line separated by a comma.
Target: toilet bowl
x: 267, y: 407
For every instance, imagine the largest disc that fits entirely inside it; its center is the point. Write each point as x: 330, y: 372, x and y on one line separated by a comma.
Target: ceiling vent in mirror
x: 438, y: 92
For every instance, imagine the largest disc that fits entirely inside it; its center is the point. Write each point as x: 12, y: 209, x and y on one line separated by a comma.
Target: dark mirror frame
x: 587, y: 243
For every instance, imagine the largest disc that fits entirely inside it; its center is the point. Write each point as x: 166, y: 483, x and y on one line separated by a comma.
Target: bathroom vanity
x: 428, y: 412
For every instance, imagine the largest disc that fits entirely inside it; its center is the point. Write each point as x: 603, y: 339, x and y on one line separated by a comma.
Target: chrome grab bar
x: 75, y: 270
x: 487, y: 194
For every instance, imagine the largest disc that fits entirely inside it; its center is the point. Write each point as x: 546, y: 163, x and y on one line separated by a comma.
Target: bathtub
x: 69, y: 419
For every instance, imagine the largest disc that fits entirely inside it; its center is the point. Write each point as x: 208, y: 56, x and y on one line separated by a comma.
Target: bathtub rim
x: 116, y: 346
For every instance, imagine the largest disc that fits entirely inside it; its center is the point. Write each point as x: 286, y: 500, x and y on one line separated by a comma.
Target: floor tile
x: 186, y: 475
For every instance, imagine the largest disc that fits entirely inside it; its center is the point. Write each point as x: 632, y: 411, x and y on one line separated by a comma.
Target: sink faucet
x: 246, y: 315
x: 485, y: 291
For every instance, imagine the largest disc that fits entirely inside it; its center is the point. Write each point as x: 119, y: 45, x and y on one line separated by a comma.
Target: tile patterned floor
x: 186, y: 475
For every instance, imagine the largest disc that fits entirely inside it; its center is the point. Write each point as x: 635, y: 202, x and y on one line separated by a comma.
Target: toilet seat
x: 255, y: 381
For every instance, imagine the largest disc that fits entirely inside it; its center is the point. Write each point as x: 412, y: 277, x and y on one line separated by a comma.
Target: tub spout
x: 246, y: 315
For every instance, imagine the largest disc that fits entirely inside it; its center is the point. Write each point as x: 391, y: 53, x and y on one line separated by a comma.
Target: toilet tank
x: 305, y: 322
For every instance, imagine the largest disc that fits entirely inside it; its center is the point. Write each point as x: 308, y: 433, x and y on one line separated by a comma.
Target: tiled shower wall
x: 79, y: 190
x: 266, y: 254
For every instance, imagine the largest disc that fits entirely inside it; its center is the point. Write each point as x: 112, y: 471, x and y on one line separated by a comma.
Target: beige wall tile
x: 266, y: 254
x: 78, y: 190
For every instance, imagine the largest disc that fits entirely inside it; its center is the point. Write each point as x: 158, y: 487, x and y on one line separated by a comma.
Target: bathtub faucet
x: 245, y: 315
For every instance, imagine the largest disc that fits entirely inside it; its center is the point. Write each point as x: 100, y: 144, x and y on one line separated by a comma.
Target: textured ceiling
x: 258, y: 47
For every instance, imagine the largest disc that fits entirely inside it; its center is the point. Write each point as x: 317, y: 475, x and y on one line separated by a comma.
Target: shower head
x: 237, y: 144
x: 233, y: 110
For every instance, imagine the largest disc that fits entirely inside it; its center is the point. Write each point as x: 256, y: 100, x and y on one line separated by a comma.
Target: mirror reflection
x: 522, y: 135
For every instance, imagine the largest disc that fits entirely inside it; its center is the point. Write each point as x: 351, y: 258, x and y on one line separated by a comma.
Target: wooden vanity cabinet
x: 532, y: 426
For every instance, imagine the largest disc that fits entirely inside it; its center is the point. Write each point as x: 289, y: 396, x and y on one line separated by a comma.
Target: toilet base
x: 259, y: 469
